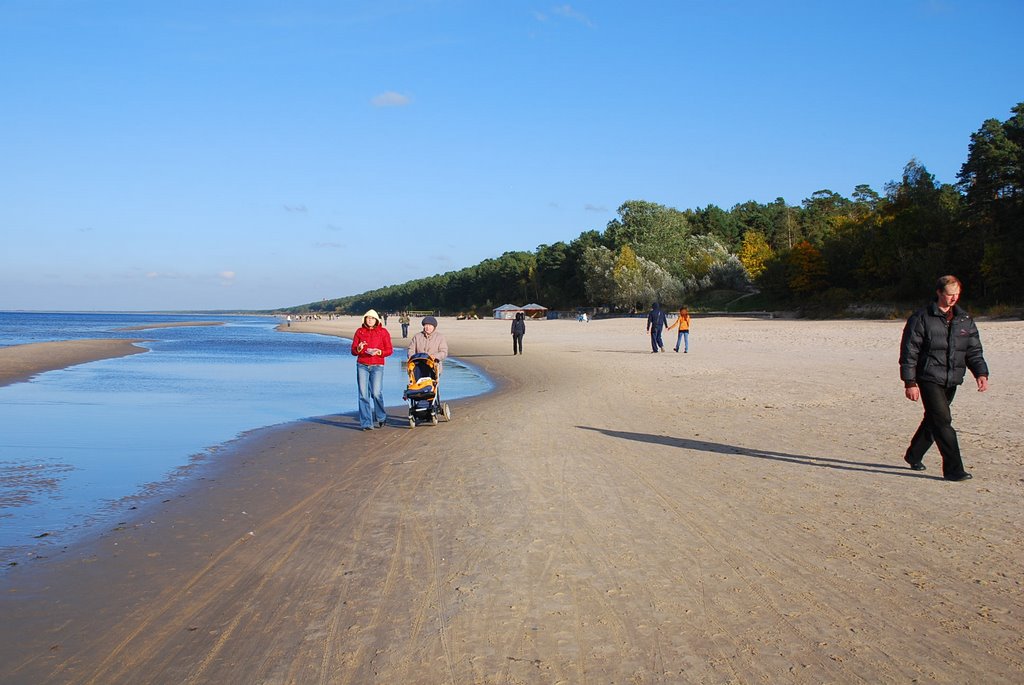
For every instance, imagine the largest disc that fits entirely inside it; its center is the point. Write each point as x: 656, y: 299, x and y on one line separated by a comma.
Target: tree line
x: 829, y: 250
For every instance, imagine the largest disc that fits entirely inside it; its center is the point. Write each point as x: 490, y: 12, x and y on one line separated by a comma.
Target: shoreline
x: 603, y: 514
x: 22, y: 362
x: 38, y: 358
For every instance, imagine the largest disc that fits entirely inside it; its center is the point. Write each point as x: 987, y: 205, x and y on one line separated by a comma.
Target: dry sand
x: 738, y: 514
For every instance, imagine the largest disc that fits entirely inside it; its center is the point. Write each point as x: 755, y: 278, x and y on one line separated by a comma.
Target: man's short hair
x: 944, y: 281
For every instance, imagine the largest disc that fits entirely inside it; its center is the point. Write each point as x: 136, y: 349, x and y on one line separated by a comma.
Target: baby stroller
x: 424, y: 400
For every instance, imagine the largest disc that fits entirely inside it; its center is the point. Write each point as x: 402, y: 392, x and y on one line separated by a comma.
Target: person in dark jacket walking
x: 518, y: 331
x: 655, y: 324
x: 940, y: 343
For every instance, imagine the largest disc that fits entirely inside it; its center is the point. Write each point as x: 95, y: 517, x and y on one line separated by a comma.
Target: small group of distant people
x: 657, y: 321
x: 371, y: 345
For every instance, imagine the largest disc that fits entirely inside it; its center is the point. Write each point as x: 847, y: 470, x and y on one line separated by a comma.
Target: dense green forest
x: 828, y: 252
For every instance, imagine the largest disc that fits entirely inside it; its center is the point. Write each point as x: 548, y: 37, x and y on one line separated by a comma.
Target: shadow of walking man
x: 733, y: 450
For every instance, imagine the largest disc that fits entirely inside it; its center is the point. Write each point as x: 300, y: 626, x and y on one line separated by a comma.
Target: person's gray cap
x: 429, y: 319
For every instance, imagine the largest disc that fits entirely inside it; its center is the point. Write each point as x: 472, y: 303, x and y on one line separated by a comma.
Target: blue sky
x: 250, y: 154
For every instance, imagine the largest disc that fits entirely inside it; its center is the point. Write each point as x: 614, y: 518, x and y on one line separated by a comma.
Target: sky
x: 256, y: 154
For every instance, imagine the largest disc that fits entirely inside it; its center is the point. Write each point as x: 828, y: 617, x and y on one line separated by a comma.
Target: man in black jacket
x: 940, y: 342
x: 656, y: 321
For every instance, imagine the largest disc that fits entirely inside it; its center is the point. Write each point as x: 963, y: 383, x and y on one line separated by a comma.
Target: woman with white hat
x: 370, y: 345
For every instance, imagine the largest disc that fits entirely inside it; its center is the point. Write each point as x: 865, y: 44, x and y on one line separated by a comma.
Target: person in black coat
x: 518, y: 331
x: 656, y: 322
x: 940, y: 343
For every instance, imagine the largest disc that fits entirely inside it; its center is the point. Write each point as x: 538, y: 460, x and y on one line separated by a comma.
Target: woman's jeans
x: 683, y: 336
x: 370, y: 381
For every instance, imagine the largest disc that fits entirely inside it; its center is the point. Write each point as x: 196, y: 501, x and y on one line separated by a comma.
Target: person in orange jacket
x: 683, y: 324
x: 370, y: 345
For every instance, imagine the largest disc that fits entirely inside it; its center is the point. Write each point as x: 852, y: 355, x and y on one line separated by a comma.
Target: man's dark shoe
x: 962, y: 476
x: 915, y: 465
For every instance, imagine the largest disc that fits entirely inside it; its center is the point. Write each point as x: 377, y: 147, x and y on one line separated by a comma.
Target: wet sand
x: 738, y: 514
x: 22, y: 362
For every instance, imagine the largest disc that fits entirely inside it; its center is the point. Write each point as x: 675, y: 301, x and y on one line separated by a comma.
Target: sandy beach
x: 738, y: 514
x: 22, y: 362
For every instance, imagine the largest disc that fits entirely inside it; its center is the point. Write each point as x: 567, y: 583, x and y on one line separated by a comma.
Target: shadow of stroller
x: 346, y: 421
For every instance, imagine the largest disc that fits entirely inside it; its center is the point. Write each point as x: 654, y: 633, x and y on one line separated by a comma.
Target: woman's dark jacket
x: 933, y: 351
x: 519, y: 326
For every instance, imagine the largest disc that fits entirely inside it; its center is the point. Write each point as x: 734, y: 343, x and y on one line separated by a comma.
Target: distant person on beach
x: 683, y: 324
x: 370, y: 345
x: 403, y: 319
x: 518, y: 331
x: 429, y: 341
x: 656, y: 321
x: 940, y: 342
x: 289, y: 321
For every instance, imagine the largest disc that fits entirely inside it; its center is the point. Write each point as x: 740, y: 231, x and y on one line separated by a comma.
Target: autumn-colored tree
x: 806, y: 269
x: 754, y: 253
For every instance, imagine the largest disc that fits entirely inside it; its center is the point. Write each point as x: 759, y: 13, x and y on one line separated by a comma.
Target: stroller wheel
x: 447, y: 411
x: 433, y: 419
x: 412, y: 422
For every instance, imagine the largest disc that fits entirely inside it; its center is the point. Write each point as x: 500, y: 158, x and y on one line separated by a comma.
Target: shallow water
x: 76, y: 440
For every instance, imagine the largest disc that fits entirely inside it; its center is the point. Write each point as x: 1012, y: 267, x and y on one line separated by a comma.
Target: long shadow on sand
x: 338, y: 421
x: 733, y: 450
x: 351, y: 421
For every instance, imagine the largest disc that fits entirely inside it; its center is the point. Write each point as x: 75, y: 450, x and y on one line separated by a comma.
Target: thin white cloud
x: 567, y: 12
x: 332, y: 246
x: 164, y: 276
x: 296, y: 208
x: 594, y: 208
x: 227, y: 275
x: 391, y: 99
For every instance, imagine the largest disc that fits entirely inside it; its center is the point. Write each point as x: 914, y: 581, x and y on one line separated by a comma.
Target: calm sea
x: 76, y: 442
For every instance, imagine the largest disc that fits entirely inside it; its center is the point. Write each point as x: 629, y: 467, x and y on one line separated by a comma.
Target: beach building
x: 535, y: 311
x: 507, y: 311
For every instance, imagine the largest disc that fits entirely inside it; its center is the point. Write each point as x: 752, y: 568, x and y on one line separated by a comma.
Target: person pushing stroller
x: 429, y: 341
x: 427, y: 350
